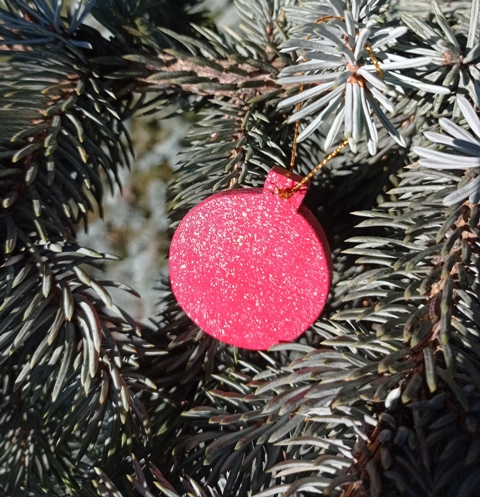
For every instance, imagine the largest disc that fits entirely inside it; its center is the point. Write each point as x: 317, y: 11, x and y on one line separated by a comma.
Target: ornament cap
x: 280, y: 180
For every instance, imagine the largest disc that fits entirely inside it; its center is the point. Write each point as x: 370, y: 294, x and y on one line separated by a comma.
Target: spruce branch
x: 416, y: 312
x: 135, y: 24
x: 174, y: 70
x: 241, y: 132
x: 60, y: 126
x: 454, y: 52
x: 218, y: 64
x: 349, y: 74
x: 67, y: 323
x: 69, y: 354
x: 467, y: 153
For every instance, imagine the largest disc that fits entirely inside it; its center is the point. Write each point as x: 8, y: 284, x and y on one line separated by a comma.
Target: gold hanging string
x: 374, y: 60
x: 329, y: 18
x: 295, y: 134
x: 290, y: 191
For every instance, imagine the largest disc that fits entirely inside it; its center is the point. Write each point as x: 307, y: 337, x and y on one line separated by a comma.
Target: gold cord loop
x: 374, y: 60
x: 329, y: 18
x: 295, y: 135
x: 289, y: 192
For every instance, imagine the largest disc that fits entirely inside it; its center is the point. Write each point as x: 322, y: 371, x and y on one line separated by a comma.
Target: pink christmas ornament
x: 251, y: 268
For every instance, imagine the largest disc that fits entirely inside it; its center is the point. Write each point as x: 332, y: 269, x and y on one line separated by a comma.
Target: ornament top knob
x: 281, y: 180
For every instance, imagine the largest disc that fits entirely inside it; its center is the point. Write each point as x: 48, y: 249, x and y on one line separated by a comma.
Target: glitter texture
x: 250, y: 268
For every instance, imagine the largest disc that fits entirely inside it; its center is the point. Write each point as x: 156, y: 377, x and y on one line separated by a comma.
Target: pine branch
x: 179, y: 71
x: 69, y: 355
x: 420, y: 318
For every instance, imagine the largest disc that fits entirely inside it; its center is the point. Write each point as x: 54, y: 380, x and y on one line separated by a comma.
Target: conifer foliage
x: 381, y: 396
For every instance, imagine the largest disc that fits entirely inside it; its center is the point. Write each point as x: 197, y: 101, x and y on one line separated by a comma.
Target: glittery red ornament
x: 251, y: 268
